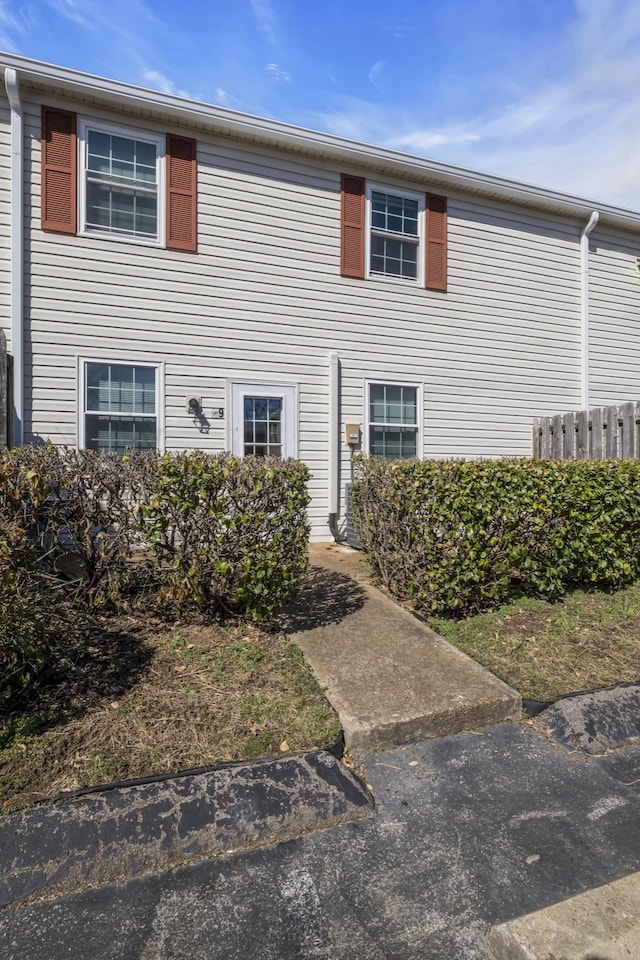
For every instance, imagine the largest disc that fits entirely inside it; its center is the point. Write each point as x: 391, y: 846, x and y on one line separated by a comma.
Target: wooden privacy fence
x: 605, y: 433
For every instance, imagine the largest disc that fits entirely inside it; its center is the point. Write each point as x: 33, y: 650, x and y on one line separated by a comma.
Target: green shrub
x: 76, y: 507
x: 229, y: 535
x: 218, y: 532
x: 39, y: 620
x: 456, y: 536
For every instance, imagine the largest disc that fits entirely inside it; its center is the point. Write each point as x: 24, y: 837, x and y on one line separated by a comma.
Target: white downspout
x: 584, y: 308
x: 334, y: 442
x: 17, y: 255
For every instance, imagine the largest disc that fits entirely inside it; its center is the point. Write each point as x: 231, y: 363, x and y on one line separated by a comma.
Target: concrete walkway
x: 390, y: 678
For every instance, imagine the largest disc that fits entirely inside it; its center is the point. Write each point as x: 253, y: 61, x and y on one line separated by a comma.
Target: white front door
x: 263, y: 419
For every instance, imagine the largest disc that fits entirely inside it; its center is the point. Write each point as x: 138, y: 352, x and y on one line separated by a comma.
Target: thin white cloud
x: 14, y: 25
x: 265, y: 15
x: 375, y: 73
x: 159, y: 81
x: 425, y: 140
x: 578, y: 132
x: 279, y: 75
x: 76, y: 10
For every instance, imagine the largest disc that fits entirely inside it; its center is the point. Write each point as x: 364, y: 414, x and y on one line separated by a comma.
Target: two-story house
x: 179, y: 275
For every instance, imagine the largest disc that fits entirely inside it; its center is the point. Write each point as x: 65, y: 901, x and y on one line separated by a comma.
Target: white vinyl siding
x: 263, y: 300
x: 614, y: 321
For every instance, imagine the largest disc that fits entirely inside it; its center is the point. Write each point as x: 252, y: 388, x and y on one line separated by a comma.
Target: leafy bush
x: 79, y: 530
x: 76, y: 507
x: 229, y: 534
x: 453, y: 536
x: 39, y: 620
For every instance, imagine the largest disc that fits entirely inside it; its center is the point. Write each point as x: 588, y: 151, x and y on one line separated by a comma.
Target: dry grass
x: 147, y: 698
x: 545, y: 650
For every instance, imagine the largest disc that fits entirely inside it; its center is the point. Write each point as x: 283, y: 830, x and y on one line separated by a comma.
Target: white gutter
x: 17, y: 254
x: 584, y: 308
x: 334, y: 441
x: 288, y: 136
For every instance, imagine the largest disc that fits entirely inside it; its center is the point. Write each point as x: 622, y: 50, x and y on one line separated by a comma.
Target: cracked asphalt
x: 467, y: 831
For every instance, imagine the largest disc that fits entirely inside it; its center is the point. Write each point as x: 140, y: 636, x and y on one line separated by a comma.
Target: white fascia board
x: 299, y: 139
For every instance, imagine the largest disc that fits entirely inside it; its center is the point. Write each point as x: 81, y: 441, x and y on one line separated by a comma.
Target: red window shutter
x: 59, y: 170
x: 435, y: 276
x: 182, y: 226
x: 352, y: 226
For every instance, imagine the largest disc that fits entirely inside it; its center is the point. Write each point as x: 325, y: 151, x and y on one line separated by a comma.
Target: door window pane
x: 262, y: 426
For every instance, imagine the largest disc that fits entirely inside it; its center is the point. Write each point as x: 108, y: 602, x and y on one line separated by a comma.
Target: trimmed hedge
x: 453, y: 537
x: 229, y: 534
x: 79, y: 531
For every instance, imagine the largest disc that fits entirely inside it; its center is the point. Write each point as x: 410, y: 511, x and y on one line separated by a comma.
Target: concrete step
x: 600, y: 924
x: 389, y: 677
x: 116, y: 834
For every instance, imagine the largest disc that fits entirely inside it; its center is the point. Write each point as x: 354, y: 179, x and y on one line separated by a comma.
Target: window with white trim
x: 393, y: 424
x: 120, y: 406
x: 121, y: 183
x: 395, y: 221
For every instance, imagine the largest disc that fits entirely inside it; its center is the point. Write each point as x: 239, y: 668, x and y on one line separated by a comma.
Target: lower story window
x: 393, y: 424
x: 119, y: 406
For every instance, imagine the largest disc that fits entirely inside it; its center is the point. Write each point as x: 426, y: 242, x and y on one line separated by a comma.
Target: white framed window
x: 264, y: 419
x: 120, y: 405
x: 393, y: 422
x: 394, y: 247
x: 121, y: 183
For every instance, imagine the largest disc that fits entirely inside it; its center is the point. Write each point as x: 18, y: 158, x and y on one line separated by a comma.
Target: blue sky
x: 545, y: 91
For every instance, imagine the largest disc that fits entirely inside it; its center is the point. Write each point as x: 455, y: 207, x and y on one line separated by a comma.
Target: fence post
x: 535, y: 439
x: 4, y: 393
x: 569, y: 445
x: 611, y: 422
x: 627, y: 415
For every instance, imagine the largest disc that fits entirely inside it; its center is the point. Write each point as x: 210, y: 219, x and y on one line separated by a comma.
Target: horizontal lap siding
x: 614, y: 319
x: 263, y: 299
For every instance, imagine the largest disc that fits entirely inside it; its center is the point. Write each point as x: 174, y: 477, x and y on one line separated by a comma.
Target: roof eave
x: 302, y: 140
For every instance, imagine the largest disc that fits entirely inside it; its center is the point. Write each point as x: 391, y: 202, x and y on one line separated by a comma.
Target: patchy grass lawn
x: 149, y: 698
x: 544, y: 650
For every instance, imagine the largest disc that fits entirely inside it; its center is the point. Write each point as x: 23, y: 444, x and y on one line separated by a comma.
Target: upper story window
x: 395, y: 234
x: 121, y: 184
x: 392, y: 233
x: 122, y: 180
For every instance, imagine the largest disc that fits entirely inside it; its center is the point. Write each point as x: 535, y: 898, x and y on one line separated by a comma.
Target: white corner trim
x: 17, y: 252
x: 584, y: 308
x: 334, y: 434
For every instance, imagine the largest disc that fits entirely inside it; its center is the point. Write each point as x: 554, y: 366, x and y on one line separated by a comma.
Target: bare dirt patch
x: 145, y: 697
